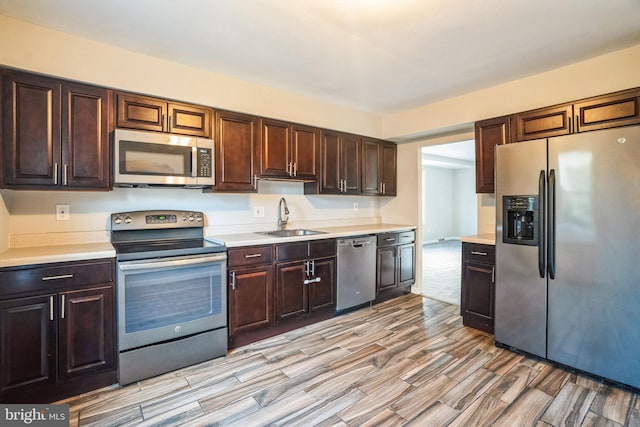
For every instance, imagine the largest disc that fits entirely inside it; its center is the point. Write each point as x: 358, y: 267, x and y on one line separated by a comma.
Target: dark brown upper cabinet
x: 289, y: 150
x: 55, y: 133
x: 489, y: 134
x: 542, y: 123
x: 340, y: 163
x: 237, y: 152
x: 160, y: 115
x: 603, y: 112
x: 378, y: 167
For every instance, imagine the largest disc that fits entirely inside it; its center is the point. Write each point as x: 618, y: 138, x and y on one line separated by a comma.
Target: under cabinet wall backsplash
x: 34, y: 212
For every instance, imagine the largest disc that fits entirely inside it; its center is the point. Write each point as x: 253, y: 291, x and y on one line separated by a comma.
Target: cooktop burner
x: 160, y: 234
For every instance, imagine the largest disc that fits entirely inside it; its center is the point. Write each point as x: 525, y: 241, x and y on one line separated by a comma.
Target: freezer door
x: 594, y: 300
x: 521, y: 294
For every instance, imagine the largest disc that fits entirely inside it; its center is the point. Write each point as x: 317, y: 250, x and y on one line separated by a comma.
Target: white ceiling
x: 455, y: 155
x: 380, y: 56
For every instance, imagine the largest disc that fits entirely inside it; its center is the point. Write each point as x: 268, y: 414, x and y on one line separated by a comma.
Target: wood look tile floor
x: 408, y: 361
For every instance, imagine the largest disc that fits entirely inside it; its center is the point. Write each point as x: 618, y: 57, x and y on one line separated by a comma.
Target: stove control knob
x: 191, y: 218
x: 127, y: 219
x: 184, y: 217
x: 117, y: 220
x: 199, y: 218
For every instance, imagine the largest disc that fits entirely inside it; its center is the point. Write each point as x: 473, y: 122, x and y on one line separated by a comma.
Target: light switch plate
x: 62, y: 212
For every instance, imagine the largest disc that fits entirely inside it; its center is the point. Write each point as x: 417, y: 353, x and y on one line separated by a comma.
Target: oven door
x: 168, y: 298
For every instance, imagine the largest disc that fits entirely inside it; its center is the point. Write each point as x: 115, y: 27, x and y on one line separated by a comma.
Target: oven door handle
x: 143, y: 265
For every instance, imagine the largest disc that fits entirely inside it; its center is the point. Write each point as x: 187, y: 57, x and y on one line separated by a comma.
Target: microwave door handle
x: 194, y: 162
x: 137, y: 265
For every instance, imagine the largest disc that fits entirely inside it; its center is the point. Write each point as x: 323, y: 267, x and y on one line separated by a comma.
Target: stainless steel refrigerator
x: 568, y: 251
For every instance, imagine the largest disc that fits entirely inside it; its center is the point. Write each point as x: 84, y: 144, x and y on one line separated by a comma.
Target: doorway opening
x: 449, y: 211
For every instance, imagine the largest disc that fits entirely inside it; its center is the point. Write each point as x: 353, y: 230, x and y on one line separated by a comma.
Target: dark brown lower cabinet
x: 478, y: 286
x: 250, y: 300
x: 396, y: 261
x: 61, y: 341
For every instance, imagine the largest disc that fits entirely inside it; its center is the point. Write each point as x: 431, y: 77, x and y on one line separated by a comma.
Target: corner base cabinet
x: 477, y: 299
x: 57, y: 330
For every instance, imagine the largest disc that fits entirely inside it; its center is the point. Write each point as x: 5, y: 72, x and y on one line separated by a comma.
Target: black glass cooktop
x: 165, y: 248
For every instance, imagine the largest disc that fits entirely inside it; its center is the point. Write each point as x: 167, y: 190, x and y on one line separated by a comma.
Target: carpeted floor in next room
x: 441, y: 269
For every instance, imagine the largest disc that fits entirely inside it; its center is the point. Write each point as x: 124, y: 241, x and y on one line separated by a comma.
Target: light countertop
x: 250, y: 239
x: 484, y: 239
x: 58, y: 253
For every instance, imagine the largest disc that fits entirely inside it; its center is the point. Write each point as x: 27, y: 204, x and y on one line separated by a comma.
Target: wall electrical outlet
x: 355, y: 206
x: 258, y: 211
x: 62, y: 212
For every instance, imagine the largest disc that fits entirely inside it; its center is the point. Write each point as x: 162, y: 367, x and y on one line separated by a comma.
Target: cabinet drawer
x: 479, y: 253
x: 291, y: 251
x: 322, y: 248
x: 250, y: 255
x: 407, y: 237
x: 55, y: 276
x: 387, y: 239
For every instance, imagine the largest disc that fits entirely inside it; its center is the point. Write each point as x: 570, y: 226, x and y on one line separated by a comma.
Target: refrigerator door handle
x: 542, y: 181
x: 551, y: 218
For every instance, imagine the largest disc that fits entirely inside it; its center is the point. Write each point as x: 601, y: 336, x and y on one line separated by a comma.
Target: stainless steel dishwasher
x: 356, y: 271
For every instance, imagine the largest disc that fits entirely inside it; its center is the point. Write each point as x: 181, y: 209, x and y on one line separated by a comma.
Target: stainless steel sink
x: 290, y: 233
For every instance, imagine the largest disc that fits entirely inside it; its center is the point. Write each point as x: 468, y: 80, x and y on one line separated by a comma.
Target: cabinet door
x: 87, y: 331
x: 389, y: 168
x: 489, y: 133
x: 31, y: 130
x: 371, y: 167
x: 305, y: 142
x: 250, y: 299
x: 237, y: 152
x: 603, y: 112
x: 329, y: 161
x: 27, y: 343
x: 85, y: 136
x: 386, y: 268
x: 542, y: 123
x: 478, y: 295
x: 350, y: 163
x: 322, y: 293
x: 141, y: 112
x: 192, y: 120
x: 292, y: 294
x: 406, y: 264
x: 276, y: 148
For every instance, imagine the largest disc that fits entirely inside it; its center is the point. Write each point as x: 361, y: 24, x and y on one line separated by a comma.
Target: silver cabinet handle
x: 162, y: 118
x: 313, y: 268
x: 390, y: 239
x: 493, y: 275
x: 55, y: 173
x: 255, y: 182
x: 253, y: 255
x: 65, y: 174
x: 62, y: 307
x: 306, y: 268
x: 233, y: 280
x: 289, y: 169
x: 170, y: 122
x: 316, y: 280
x: 479, y: 253
x: 51, y: 308
x: 384, y: 188
x: 295, y: 169
x: 62, y: 276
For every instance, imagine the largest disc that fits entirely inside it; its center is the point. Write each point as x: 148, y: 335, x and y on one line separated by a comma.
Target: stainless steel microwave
x: 160, y: 159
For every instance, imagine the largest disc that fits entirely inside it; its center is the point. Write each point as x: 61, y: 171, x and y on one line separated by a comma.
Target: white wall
x: 4, y: 222
x: 32, y: 220
x: 596, y: 76
x: 439, y: 206
x: 465, y: 200
x: 27, y: 46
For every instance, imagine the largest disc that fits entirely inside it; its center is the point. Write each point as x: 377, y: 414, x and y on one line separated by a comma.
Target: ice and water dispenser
x: 521, y: 222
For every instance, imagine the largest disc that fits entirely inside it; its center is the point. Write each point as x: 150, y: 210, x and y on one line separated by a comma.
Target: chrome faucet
x: 282, y: 222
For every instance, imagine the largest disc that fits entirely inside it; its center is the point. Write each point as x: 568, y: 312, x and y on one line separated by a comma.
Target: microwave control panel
x: 204, y: 162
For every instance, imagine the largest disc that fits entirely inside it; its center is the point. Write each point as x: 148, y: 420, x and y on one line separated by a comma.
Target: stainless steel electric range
x: 171, y: 292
